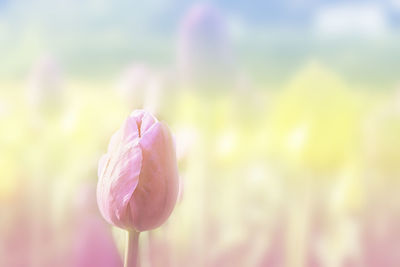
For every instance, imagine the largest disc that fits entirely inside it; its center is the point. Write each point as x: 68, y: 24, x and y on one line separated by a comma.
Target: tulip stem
x: 132, y: 249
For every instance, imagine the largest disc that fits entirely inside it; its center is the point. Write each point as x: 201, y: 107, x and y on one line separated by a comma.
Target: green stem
x: 132, y: 249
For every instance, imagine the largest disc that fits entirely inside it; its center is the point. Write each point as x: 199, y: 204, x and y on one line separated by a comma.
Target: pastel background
x: 286, y: 116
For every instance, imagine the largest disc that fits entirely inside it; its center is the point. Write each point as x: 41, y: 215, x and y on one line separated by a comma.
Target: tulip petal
x: 117, y: 184
x: 102, y: 164
x: 144, y: 120
x: 155, y: 196
x: 114, y: 141
x: 127, y: 134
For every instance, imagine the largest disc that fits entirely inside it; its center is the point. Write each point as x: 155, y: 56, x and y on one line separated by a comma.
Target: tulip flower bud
x: 138, y: 177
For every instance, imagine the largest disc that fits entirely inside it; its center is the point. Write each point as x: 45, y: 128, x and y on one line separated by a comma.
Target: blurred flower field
x: 296, y: 171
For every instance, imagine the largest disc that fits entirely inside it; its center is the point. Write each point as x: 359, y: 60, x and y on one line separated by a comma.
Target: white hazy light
x: 395, y: 4
x: 297, y: 138
x: 363, y: 19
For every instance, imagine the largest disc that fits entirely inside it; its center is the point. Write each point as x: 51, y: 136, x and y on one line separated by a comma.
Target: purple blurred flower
x: 204, y: 49
x: 92, y: 241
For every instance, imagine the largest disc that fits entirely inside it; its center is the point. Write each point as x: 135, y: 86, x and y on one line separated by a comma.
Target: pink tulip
x: 138, y: 177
